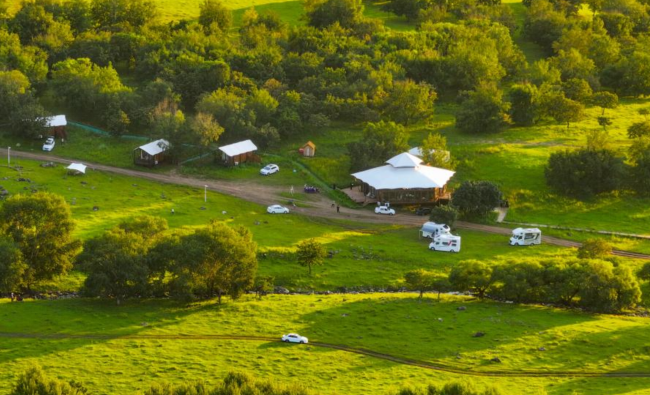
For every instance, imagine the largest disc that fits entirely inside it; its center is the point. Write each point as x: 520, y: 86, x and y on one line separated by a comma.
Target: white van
x: 432, y: 229
x: 526, y: 237
x: 445, y: 242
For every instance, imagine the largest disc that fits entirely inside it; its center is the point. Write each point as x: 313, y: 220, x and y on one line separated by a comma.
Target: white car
x: 294, y: 338
x: 49, y: 144
x: 277, y: 209
x: 269, y: 169
x: 384, y: 210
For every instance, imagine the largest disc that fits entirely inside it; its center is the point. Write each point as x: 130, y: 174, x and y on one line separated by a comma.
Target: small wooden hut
x: 308, y: 150
x: 151, y: 154
x: 243, y: 151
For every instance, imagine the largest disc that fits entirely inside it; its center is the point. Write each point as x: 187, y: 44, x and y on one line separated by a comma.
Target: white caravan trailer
x: 445, y: 242
x: 432, y: 229
x: 526, y: 237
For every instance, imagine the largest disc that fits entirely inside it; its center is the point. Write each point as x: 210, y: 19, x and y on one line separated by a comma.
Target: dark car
x: 423, y: 211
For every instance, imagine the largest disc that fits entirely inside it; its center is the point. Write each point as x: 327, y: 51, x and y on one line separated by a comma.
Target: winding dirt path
x: 339, y: 347
x: 266, y: 195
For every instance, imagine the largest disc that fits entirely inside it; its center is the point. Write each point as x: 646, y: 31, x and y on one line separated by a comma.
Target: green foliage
x: 35, y: 382
x: 322, y: 14
x: 215, y: 15
x: 452, y: 388
x: 639, y: 129
x: 594, y: 249
x: 115, y: 262
x: 434, y: 151
x: 409, y: 102
x: 562, y: 109
x: 483, y: 111
x: 475, y: 199
x: 472, y: 275
x: 263, y: 285
x: 18, y: 105
x: 639, y: 172
x: 605, y: 100
x: 577, y: 89
x: 444, y: 215
x: 41, y: 227
x: 584, y: 173
x: 419, y: 280
x: 12, y: 266
x: 524, y: 100
x: 115, y: 14
x: 310, y: 253
x: 381, y: 141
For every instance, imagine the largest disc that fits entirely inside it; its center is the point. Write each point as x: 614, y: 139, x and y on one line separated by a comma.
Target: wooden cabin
x: 151, y: 154
x: 241, y: 152
x: 308, y: 150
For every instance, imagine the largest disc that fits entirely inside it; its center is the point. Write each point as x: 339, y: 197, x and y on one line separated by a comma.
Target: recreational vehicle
x: 526, y: 237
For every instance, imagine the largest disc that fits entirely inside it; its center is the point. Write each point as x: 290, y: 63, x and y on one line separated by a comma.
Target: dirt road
x: 266, y: 195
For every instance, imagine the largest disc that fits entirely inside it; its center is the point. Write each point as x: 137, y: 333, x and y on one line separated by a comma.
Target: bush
x: 594, y: 249
x: 585, y: 172
x: 444, y: 215
x: 476, y: 199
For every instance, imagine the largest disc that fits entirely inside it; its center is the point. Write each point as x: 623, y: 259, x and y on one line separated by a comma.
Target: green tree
x: 562, y: 109
x: 444, y: 215
x: 585, y: 172
x: 206, y: 130
x: 604, y: 122
x: 639, y: 172
x: 598, y: 140
x: 41, y: 226
x: 594, y: 249
x: 577, y: 89
x: 483, y: 111
x: 519, y: 281
x: 19, y: 107
x: 116, y: 14
x: 12, y: 266
x: 310, y: 253
x: 213, y: 13
x: 409, y: 102
x: 35, y: 382
x: 523, y: 108
x: 263, y: 286
x: 381, y: 141
x: 473, y: 276
x: 434, y: 151
x: 605, y: 100
x: 217, y: 260
x: 639, y: 129
x: 475, y: 199
x: 419, y: 280
x: 324, y: 13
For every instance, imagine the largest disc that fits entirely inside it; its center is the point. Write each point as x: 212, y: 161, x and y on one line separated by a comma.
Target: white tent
x: 155, y: 147
x: 405, y: 171
x: 77, y: 168
x: 239, y: 148
x: 56, y: 120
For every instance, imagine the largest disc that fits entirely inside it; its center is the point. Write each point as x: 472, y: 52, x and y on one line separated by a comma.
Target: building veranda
x: 405, y: 180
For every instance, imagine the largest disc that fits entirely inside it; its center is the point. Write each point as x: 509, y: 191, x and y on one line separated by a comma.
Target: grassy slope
x: 395, y: 324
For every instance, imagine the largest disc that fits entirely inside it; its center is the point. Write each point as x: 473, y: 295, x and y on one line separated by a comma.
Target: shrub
x: 594, y: 249
x: 476, y: 198
x: 585, y: 172
x: 444, y: 215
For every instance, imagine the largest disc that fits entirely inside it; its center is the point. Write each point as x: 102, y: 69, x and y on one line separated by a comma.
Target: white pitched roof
x: 56, y: 120
x: 405, y: 171
x: 155, y: 147
x: 81, y: 168
x: 238, y: 148
x: 404, y: 160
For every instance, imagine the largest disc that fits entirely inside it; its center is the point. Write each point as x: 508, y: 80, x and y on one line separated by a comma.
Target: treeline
x: 137, y: 258
x: 36, y: 382
x: 592, y: 284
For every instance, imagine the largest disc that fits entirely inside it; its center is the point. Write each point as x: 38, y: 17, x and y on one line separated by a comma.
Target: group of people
x: 16, y: 297
x: 310, y: 189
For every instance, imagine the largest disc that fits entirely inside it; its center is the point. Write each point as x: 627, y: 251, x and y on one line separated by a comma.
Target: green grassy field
x: 364, y: 254
x: 395, y: 324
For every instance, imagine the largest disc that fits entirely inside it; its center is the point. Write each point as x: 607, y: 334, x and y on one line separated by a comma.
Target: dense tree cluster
x: 136, y: 259
x: 475, y: 199
x: 593, y: 284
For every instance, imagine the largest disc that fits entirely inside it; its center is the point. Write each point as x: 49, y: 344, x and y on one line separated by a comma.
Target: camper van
x: 432, y: 229
x: 526, y: 237
x: 445, y: 242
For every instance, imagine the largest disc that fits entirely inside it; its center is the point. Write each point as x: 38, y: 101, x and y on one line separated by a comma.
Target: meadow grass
x: 397, y: 324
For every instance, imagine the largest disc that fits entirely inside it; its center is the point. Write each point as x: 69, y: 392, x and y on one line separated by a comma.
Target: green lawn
x: 394, y: 324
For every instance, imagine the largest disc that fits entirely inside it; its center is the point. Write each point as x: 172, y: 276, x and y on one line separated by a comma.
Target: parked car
x: 277, y: 209
x: 49, y: 144
x: 384, y: 210
x: 423, y: 211
x: 269, y: 169
x: 294, y: 338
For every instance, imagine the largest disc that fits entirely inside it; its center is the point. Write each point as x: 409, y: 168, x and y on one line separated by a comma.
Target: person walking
x: 12, y: 296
